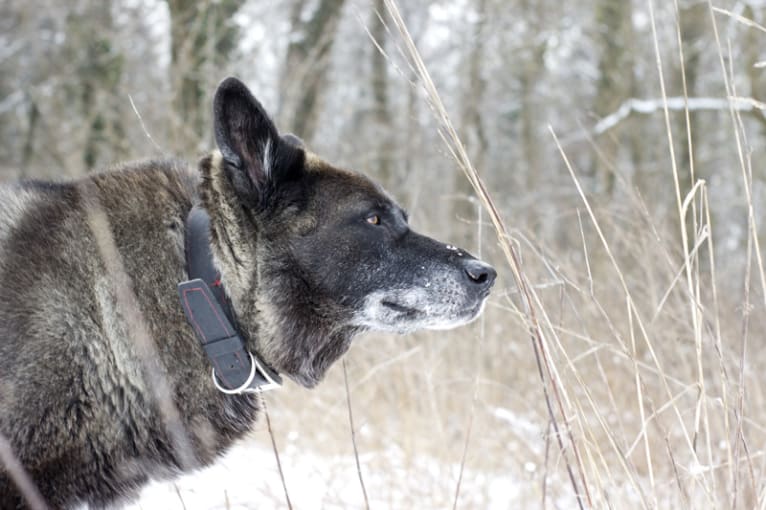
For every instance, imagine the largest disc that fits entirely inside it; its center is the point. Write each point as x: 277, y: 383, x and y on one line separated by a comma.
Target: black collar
x: 209, y: 311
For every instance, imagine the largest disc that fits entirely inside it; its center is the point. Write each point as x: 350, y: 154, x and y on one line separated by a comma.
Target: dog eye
x: 373, y: 219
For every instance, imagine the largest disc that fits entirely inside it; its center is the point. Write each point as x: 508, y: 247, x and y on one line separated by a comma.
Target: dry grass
x: 641, y: 389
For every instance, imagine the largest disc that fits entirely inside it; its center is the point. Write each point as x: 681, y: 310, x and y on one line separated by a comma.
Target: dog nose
x: 480, y: 273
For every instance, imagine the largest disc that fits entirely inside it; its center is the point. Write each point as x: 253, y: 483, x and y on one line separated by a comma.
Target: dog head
x: 312, y: 254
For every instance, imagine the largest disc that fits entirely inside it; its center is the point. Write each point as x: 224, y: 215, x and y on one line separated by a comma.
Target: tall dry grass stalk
x: 274, y: 448
x: 353, y: 436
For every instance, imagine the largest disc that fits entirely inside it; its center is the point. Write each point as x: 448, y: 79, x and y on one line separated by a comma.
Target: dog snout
x: 479, y: 273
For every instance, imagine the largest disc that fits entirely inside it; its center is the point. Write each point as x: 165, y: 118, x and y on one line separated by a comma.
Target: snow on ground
x: 247, y: 478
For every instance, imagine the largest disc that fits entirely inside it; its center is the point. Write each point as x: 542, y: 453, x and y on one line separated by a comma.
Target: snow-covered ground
x: 247, y: 478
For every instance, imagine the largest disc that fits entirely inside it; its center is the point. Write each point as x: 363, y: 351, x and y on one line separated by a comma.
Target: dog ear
x: 252, y: 149
x: 293, y: 140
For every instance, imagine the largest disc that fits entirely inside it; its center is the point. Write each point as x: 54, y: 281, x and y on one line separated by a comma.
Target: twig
x: 464, y: 455
x: 736, y: 17
x: 178, y: 493
x: 143, y: 126
x: 13, y: 468
x: 353, y: 436
x: 545, y: 464
x: 276, y: 451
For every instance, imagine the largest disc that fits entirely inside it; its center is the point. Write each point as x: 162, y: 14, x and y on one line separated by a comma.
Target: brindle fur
x: 303, y: 267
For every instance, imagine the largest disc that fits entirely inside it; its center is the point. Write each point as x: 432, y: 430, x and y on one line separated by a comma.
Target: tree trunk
x: 99, y: 70
x: 614, y: 27
x: 755, y: 72
x: 472, y: 126
x: 695, y: 27
x: 383, y: 125
x: 307, y: 65
x: 531, y: 68
x: 202, y: 40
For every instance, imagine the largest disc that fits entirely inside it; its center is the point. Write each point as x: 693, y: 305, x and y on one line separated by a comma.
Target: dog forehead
x: 344, y: 186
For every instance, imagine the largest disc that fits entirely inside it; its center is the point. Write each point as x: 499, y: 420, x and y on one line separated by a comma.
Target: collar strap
x: 209, y: 311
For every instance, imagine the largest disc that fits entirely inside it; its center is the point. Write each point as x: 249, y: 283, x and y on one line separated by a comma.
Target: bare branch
x: 680, y: 103
x: 353, y: 436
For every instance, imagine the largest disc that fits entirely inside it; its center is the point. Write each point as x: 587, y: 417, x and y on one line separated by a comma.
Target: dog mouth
x: 413, y: 308
x: 399, y: 308
x: 409, y: 317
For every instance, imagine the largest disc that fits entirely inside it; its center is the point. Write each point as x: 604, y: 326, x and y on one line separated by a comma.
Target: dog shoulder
x: 164, y: 182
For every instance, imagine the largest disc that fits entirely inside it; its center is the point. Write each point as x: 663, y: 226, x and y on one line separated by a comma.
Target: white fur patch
x: 267, y: 159
x: 416, y: 308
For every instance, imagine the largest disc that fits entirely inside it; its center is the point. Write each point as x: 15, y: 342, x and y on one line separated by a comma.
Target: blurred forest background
x: 650, y: 296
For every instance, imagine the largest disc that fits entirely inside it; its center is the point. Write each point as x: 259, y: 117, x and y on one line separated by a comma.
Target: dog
x: 143, y: 309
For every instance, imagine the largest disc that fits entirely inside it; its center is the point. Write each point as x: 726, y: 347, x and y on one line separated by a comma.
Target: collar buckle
x: 251, y: 385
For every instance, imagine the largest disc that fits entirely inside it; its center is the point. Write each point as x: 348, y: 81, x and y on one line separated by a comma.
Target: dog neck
x: 209, y: 311
x: 232, y: 247
x: 287, y: 328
